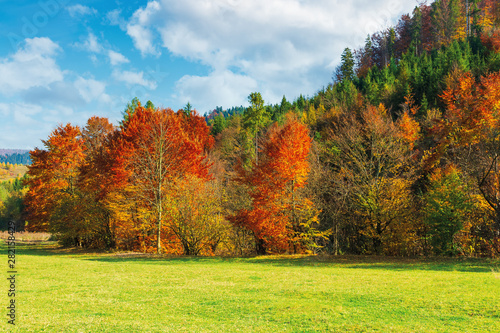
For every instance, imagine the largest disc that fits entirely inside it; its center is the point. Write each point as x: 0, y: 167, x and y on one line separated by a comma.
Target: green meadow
x: 60, y: 290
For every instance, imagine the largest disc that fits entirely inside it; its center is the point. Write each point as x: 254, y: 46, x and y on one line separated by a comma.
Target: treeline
x: 16, y: 158
x: 398, y: 156
x: 12, y: 208
x: 156, y: 183
x: 219, y: 112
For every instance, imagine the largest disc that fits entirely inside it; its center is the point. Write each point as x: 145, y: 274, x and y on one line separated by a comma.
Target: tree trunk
x: 158, y: 244
x: 336, y: 238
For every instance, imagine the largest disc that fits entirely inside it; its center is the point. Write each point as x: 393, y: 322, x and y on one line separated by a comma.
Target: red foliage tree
x: 277, y: 212
x: 155, y: 149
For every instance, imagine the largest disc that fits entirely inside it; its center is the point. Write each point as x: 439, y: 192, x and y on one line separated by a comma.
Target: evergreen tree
x: 345, y: 72
x: 255, y: 118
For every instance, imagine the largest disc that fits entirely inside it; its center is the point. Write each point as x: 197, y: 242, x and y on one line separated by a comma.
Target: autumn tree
x: 94, y: 181
x: 156, y: 149
x: 363, y: 56
x: 197, y: 217
x: 279, y: 217
x: 373, y: 160
x: 445, y: 16
x: 467, y: 135
x: 53, y: 177
x: 404, y: 36
x: 383, y: 47
x: 131, y: 106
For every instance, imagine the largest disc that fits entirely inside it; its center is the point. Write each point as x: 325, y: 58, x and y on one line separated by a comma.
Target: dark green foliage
x: 12, y: 203
x: 345, y: 72
x: 187, y: 109
x: 16, y: 158
x: 447, y: 206
x: 424, y: 75
x: 285, y: 106
x: 219, y: 124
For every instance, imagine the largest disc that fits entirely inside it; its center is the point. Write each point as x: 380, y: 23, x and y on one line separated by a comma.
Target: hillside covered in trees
x: 398, y: 156
x: 15, y: 156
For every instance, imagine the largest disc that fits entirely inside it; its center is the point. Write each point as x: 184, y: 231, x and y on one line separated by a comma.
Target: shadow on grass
x: 45, y: 248
x: 385, y: 263
x: 345, y: 261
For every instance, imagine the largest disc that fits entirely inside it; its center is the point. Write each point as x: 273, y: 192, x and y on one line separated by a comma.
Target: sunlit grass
x: 26, y: 236
x: 65, y: 291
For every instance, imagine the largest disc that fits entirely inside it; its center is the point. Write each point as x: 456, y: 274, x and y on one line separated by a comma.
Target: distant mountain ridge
x: 7, y: 152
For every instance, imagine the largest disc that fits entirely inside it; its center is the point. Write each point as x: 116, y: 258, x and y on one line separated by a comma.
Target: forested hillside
x: 398, y: 156
x: 12, y: 193
x: 14, y: 156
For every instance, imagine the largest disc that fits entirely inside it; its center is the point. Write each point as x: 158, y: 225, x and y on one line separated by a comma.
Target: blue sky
x: 64, y: 61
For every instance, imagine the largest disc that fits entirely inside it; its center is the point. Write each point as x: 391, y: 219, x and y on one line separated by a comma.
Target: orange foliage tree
x: 52, y: 180
x: 468, y: 134
x: 67, y: 185
x: 279, y: 217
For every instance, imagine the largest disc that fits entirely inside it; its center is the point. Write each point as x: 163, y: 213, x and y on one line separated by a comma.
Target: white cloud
x: 23, y: 116
x: 116, y: 58
x: 206, y: 92
x: 134, y: 78
x: 37, y: 122
x: 31, y: 66
x: 286, y: 46
x: 22, y: 113
x: 91, y: 89
x: 90, y: 44
x: 138, y: 29
x: 80, y: 10
x: 38, y: 95
x: 114, y: 18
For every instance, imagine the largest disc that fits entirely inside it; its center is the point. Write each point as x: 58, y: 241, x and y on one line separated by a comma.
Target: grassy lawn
x: 66, y: 291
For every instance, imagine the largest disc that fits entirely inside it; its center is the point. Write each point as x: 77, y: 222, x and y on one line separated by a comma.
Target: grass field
x: 67, y: 291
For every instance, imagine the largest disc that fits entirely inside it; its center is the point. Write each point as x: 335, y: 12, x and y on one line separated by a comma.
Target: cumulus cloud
x: 38, y: 95
x: 90, y: 44
x: 138, y: 28
x: 114, y: 18
x: 116, y: 58
x: 286, y: 46
x: 36, y: 122
x: 206, y: 92
x: 31, y: 66
x: 80, y: 10
x: 27, y: 117
x: 134, y: 78
x: 22, y: 113
x: 90, y: 89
